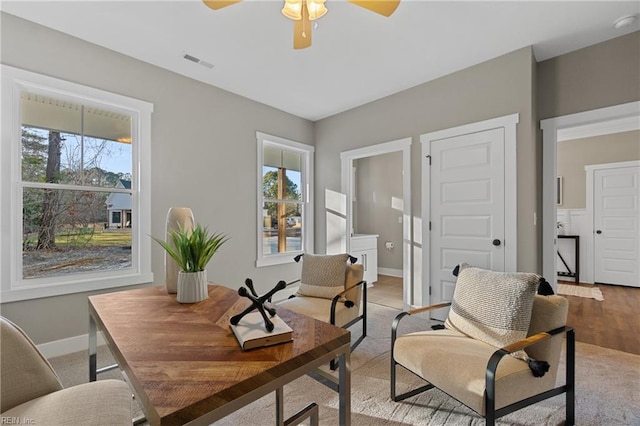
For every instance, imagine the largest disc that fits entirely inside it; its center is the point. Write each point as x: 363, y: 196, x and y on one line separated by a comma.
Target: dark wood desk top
x: 183, y: 360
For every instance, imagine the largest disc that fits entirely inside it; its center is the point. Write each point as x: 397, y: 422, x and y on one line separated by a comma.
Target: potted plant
x: 192, y: 250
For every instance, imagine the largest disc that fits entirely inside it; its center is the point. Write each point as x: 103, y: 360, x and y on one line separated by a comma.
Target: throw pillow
x: 494, y: 307
x: 323, y: 275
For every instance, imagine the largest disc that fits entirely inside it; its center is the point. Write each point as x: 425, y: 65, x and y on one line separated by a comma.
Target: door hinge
x: 429, y: 225
x: 428, y: 157
x: 429, y: 290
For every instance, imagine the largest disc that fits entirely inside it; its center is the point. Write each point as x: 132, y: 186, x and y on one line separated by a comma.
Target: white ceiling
x: 357, y: 56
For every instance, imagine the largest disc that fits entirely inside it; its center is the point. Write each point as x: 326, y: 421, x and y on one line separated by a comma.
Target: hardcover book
x: 252, y: 333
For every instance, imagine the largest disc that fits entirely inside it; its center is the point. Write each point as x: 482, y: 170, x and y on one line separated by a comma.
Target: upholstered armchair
x: 31, y: 390
x: 499, y: 349
x: 331, y: 290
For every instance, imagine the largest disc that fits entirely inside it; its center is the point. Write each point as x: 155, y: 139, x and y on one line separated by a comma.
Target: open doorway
x: 377, y: 224
x: 619, y: 118
x: 379, y: 210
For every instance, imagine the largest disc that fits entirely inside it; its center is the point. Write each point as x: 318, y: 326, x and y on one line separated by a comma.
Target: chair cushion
x: 320, y: 309
x: 101, y: 403
x: 323, y: 276
x: 493, y: 307
x: 456, y: 364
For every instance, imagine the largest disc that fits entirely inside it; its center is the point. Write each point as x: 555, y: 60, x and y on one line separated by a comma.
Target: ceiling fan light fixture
x: 316, y: 8
x: 293, y: 9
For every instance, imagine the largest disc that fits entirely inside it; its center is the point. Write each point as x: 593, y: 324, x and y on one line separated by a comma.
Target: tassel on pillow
x: 544, y: 288
x: 538, y: 368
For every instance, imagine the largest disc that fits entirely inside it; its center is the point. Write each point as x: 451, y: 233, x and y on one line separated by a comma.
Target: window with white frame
x: 285, y: 208
x: 75, y: 188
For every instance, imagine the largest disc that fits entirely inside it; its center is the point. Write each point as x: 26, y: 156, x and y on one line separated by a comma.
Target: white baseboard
x: 68, y: 346
x: 390, y: 272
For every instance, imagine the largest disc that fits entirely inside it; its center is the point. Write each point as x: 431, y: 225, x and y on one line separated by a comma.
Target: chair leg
x: 490, y: 419
x: 334, y: 363
x: 393, y: 379
x: 397, y: 398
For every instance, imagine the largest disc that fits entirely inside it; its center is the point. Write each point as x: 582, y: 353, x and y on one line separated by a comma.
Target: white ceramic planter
x: 182, y: 216
x: 192, y: 287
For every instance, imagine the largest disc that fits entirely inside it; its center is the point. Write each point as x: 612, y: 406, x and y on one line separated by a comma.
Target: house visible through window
x: 285, y: 217
x: 76, y: 221
x: 73, y: 157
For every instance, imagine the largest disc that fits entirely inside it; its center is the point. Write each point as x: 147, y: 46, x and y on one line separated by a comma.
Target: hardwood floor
x: 387, y: 291
x: 613, y: 323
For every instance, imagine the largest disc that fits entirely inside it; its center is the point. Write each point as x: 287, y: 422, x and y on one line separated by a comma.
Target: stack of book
x: 251, y: 331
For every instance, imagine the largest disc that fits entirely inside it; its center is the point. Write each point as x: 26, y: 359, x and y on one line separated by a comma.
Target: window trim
x: 12, y: 287
x: 308, y: 151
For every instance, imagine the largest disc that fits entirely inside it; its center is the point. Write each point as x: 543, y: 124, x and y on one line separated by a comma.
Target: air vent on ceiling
x: 197, y: 61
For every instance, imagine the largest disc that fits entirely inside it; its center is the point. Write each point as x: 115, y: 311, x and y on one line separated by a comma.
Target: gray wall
x: 200, y: 134
x: 574, y: 154
x: 491, y: 89
x: 597, y: 76
x: 378, y: 182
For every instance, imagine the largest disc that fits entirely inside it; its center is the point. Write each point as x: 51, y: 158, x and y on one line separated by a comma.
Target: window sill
x: 37, y: 292
x: 277, y: 259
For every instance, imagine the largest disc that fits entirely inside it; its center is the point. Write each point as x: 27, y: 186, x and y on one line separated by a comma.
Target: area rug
x: 606, y: 388
x: 580, y: 291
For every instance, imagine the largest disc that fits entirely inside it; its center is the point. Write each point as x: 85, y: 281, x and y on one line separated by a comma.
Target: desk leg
x: 344, y: 368
x: 93, y: 349
x: 279, y: 407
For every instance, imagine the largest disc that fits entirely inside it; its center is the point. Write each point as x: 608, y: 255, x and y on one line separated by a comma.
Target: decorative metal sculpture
x: 258, y: 302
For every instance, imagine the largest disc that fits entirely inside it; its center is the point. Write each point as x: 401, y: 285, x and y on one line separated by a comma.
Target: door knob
x: 496, y: 242
x: 598, y: 232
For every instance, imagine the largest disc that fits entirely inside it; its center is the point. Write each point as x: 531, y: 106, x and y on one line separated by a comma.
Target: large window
x: 75, y: 188
x: 285, y: 211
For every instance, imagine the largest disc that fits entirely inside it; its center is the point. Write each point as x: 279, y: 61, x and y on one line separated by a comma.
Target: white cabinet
x: 365, y: 248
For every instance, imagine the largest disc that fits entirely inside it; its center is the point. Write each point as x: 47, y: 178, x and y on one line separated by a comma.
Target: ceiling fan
x: 302, y: 12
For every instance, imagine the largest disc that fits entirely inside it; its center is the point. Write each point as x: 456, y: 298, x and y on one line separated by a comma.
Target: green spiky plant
x: 193, y: 249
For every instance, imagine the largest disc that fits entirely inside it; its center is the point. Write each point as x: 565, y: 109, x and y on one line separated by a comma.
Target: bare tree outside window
x: 71, y: 175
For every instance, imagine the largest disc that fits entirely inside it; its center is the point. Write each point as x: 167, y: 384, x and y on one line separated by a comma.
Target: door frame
x: 590, y: 271
x: 347, y: 185
x: 550, y: 129
x: 508, y: 123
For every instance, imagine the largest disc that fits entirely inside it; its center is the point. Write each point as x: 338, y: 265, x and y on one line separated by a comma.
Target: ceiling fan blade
x: 302, y: 30
x: 383, y: 7
x: 219, y: 4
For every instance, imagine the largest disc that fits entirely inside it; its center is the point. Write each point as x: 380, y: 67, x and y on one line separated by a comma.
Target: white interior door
x: 615, y: 220
x: 467, y: 207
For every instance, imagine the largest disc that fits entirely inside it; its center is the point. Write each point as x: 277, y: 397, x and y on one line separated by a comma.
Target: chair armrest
x: 427, y: 308
x: 293, y: 282
x: 398, y: 318
x: 337, y: 297
x: 531, y: 340
x: 346, y: 290
x: 492, y: 365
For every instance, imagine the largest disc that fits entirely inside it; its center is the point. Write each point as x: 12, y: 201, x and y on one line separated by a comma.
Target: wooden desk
x: 186, y: 366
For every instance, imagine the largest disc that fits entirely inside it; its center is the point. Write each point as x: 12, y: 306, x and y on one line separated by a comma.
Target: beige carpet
x: 607, y: 389
x: 580, y: 291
